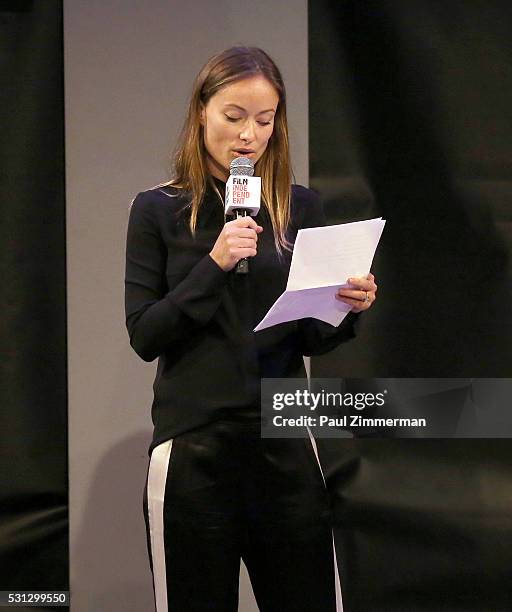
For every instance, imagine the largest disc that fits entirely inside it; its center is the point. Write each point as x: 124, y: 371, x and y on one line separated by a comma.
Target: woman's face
x: 238, y: 121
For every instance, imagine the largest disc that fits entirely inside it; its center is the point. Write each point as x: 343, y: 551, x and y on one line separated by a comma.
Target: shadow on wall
x: 112, y: 535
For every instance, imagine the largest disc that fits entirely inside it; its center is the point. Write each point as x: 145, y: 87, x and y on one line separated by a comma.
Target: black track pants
x: 221, y: 493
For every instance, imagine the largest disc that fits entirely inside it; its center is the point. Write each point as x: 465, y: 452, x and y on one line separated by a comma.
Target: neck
x: 216, y: 170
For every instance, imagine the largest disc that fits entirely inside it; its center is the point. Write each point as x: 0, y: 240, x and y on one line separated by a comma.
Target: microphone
x: 243, y: 196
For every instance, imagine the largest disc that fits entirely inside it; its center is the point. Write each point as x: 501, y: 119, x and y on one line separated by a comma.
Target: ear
x: 202, y: 115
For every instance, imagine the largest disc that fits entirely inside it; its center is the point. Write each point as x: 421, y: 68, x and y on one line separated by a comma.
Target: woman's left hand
x: 360, y: 295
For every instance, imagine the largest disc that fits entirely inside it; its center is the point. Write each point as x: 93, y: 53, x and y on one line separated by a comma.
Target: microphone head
x: 241, y: 166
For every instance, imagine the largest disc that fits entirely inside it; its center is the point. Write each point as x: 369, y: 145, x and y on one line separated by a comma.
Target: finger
x: 245, y: 222
x: 234, y: 235
x: 367, y: 297
x: 236, y: 242
x: 359, y: 296
x: 245, y: 232
x: 362, y: 284
x: 357, y: 305
x: 354, y: 294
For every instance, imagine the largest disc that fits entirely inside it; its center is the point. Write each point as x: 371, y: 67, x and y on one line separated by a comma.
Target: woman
x: 216, y: 491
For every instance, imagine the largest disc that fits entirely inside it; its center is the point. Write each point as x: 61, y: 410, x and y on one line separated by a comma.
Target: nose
x: 247, y: 132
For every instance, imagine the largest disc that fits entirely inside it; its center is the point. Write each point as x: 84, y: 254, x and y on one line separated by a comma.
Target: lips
x: 243, y: 151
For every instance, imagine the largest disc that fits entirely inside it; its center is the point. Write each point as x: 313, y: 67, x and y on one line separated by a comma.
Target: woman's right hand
x: 237, y: 240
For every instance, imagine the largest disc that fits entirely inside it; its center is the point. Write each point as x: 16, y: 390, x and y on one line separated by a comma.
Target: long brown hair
x: 190, y: 171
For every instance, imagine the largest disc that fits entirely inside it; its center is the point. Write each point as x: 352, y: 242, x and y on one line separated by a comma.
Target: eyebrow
x: 269, y: 110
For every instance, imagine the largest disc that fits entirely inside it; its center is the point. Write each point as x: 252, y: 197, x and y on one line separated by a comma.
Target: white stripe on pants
x: 339, y: 601
x: 157, y: 478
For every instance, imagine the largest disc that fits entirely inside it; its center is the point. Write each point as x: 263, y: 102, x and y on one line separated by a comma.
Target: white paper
x: 323, y: 258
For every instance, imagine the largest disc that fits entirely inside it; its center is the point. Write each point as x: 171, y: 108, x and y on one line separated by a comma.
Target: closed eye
x: 235, y: 119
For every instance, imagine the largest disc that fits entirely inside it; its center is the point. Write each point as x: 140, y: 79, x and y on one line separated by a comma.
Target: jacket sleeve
x: 155, y: 317
x: 318, y: 337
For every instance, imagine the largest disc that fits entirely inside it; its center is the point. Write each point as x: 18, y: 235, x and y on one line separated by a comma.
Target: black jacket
x: 198, y: 320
